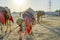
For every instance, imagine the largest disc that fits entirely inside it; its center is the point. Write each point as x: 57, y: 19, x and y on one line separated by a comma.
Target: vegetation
x: 57, y: 11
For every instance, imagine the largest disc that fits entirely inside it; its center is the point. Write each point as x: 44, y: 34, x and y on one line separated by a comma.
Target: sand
x: 48, y: 29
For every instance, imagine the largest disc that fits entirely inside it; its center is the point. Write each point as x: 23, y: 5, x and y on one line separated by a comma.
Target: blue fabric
x: 24, y: 28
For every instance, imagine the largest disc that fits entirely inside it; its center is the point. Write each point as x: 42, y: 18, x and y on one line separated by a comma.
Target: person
x: 28, y: 24
x: 29, y: 21
x: 24, y: 26
x: 20, y: 32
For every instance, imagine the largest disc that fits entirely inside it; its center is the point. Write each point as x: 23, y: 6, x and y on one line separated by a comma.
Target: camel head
x: 8, y: 14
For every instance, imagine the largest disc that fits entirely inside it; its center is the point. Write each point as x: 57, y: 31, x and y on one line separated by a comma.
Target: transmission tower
x: 50, y: 4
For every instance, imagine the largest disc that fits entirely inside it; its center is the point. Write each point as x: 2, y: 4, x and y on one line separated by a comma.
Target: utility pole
x: 50, y: 5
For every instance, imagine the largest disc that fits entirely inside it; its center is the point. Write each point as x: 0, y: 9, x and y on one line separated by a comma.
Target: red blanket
x: 2, y: 18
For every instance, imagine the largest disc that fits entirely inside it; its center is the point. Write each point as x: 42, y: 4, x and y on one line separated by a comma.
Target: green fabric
x: 19, y: 22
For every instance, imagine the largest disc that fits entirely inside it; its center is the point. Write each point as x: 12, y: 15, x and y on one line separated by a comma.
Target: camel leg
x: 10, y: 25
x: 44, y: 16
x: 37, y: 19
x: 41, y: 18
x: 1, y: 28
x: 7, y: 27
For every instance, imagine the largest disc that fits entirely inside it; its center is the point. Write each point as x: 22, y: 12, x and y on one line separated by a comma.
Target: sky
x: 34, y: 4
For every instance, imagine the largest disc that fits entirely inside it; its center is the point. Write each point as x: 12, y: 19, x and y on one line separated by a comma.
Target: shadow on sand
x: 54, y: 30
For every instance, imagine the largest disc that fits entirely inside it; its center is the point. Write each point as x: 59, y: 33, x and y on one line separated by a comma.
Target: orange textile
x: 28, y: 29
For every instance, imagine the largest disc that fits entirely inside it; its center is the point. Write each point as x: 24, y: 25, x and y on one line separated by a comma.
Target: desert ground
x: 48, y: 29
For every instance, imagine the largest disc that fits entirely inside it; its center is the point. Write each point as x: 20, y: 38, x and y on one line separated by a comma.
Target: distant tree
x: 57, y: 11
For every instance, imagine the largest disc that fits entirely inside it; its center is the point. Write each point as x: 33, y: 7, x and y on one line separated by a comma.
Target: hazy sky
x: 34, y: 4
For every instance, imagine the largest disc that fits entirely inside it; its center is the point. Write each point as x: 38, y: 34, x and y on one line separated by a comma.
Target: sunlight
x: 19, y: 2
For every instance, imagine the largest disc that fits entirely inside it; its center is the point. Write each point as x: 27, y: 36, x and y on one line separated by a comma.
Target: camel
x: 40, y: 14
x: 5, y: 18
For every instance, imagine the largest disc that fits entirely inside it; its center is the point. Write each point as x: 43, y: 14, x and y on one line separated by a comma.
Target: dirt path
x: 49, y: 29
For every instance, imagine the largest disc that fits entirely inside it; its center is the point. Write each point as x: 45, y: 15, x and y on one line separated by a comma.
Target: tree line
x: 57, y: 10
